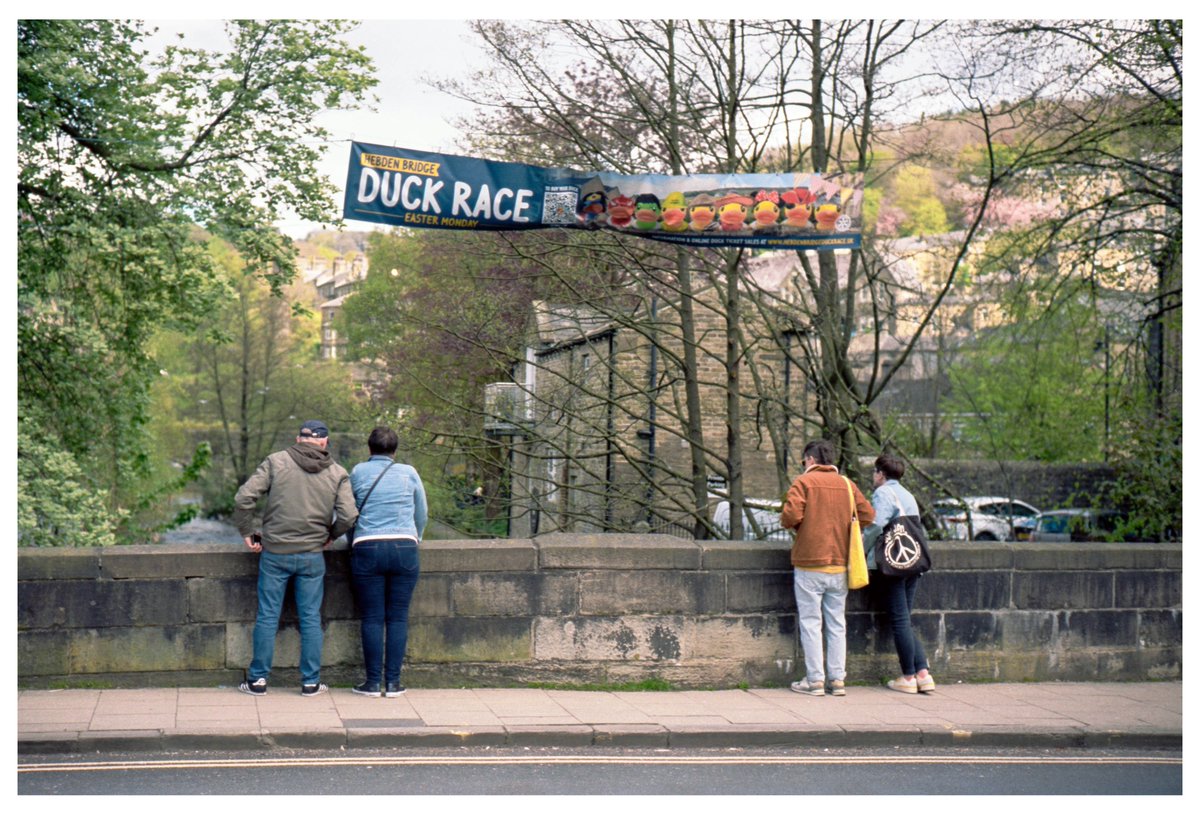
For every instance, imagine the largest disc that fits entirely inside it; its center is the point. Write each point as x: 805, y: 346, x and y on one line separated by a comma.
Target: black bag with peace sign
x: 901, y: 549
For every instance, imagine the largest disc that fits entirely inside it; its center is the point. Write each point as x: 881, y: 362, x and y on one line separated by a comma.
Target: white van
x: 766, y: 515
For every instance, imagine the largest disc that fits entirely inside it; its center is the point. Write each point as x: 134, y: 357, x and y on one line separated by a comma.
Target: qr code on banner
x: 559, y: 207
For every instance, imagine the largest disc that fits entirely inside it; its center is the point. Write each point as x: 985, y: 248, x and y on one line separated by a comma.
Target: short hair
x: 890, y: 466
x: 382, y: 441
x: 821, y: 451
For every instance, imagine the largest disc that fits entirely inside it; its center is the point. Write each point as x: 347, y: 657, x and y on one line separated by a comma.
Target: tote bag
x: 857, y: 576
x: 901, y: 549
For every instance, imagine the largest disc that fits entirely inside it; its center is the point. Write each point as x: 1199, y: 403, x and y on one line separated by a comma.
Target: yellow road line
x: 391, y: 761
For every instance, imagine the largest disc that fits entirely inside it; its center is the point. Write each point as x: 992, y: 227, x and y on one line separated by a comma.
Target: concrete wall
x: 603, y: 608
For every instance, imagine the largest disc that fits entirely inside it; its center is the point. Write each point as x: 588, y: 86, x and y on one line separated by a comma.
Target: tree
x: 119, y: 156
x: 681, y: 96
x: 1097, y: 132
x: 245, y: 378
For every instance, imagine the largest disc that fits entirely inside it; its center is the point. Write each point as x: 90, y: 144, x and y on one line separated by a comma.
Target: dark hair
x: 821, y: 450
x: 890, y: 466
x: 382, y: 441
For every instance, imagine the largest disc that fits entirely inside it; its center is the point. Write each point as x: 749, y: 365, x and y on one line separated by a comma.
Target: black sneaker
x: 314, y: 689
x: 367, y: 689
x: 256, y: 688
x: 394, y: 689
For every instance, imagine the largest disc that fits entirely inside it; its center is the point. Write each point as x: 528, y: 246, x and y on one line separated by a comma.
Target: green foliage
x: 914, y: 192
x: 1148, y: 487
x: 244, y: 380
x: 453, y: 502
x: 56, y: 505
x: 119, y: 157
x: 1028, y: 389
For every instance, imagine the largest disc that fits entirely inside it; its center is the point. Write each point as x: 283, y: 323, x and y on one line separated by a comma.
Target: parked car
x: 993, y: 518
x: 1078, y: 525
x: 766, y: 514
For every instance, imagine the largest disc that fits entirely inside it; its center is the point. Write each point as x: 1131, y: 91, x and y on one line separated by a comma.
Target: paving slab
x: 1048, y: 715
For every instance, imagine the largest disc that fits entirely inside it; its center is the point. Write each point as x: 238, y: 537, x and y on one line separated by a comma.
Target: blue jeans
x: 307, y: 570
x: 900, y: 592
x: 384, y: 574
x: 821, y: 598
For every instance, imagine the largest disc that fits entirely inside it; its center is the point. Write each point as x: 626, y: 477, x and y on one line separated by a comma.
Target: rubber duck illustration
x: 646, y: 212
x: 674, y: 213
x: 766, y: 209
x: 620, y: 211
x: 732, y: 209
x: 591, y: 207
x: 702, y: 212
x: 797, y: 207
x: 826, y: 211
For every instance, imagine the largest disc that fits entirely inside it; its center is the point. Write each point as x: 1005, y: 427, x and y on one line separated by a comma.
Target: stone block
x: 1086, y: 629
x: 867, y: 633
x: 1026, y: 630
x: 1145, y: 589
x: 1099, y: 555
x: 44, y: 653
x: 160, y: 648
x: 1160, y: 628
x: 471, y: 639
x: 166, y: 560
x: 516, y: 555
x: 1062, y: 590
x: 607, y: 551
x: 219, y: 600
x: 101, y: 603
x: 745, y: 555
x: 494, y: 594
x: 759, y: 591
x: 59, y: 563
x: 338, y: 601
x: 964, y: 591
x: 970, y: 555
x: 609, y: 638
x: 650, y: 592
x: 753, y: 638
x: 431, y: 598
x: 343, y: 644
x: 964, y: 630
x: 513, y: 594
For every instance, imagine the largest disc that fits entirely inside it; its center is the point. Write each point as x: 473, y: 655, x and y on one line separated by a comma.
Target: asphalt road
x: 597, y: 772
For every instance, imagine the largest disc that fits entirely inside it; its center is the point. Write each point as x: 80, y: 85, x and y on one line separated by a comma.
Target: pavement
x: 1146, y: 715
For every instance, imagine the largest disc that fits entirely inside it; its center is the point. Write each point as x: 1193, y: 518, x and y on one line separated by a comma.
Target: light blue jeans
x: 821, y: 598
x: 307, y: 569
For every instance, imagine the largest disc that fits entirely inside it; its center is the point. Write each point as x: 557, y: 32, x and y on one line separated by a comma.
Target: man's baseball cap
x: 314, y: 429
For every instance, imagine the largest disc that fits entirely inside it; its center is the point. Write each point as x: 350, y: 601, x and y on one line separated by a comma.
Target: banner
x: 391, y: 185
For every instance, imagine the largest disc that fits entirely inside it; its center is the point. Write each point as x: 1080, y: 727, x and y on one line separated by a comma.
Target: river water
x: 203, y: 530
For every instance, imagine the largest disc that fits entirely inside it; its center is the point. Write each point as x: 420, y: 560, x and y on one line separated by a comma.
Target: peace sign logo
x: 900, y: 549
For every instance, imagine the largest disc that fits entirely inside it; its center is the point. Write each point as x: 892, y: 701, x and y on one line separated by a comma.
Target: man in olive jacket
x: 309, y: 504
x: 818, y: 509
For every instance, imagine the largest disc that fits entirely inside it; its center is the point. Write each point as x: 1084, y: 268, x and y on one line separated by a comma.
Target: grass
x: 644, y: 685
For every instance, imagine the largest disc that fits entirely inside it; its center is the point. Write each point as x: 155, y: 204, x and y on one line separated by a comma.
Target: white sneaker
x: 903, y: 685
x: 803, y: 686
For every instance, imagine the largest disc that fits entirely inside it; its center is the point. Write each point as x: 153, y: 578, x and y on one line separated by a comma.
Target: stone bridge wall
x: 603, y: 609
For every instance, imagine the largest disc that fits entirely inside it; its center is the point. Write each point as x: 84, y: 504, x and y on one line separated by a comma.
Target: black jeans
x: 384, y: 574
x: 900, y: 592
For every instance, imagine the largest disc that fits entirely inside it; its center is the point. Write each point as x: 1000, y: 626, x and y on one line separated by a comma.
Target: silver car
x: 993, y: 518
x: 1078, y: 525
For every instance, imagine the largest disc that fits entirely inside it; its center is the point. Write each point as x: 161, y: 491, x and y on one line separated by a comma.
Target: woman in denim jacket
x: 383, y: 558
x: 890, y: 500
